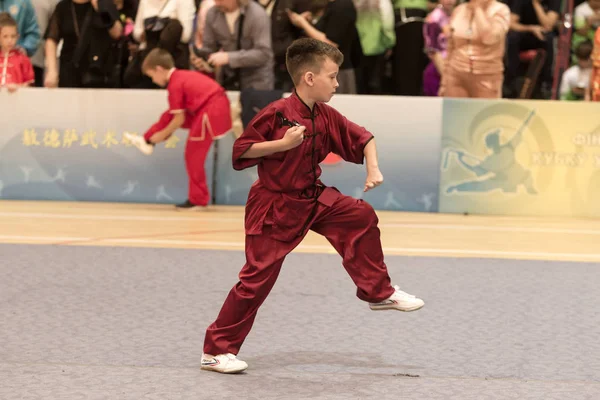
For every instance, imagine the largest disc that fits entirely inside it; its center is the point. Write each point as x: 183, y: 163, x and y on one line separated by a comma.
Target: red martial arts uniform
x: 286, y: 201
x: 207, y: 116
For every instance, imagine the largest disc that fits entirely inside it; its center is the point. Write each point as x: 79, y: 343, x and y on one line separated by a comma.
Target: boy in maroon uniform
x: 196, y: 102
x: 287, y: 140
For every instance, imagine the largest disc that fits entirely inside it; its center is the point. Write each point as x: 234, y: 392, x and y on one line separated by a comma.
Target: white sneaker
x: 223, y: 363
x: 400, y: 300
x: 140, y: 143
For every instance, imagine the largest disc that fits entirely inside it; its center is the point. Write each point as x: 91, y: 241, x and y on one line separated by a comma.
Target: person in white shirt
x: 576, y: 80
x: 165, y: 24
x: 586, y: 21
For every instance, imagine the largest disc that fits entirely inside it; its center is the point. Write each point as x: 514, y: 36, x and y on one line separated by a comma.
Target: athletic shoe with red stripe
x: 400, y: 301
x: 223, y: 363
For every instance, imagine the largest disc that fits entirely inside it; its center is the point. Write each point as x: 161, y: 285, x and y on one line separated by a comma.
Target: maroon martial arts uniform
x: 286, y: 201
x: 207, y: 116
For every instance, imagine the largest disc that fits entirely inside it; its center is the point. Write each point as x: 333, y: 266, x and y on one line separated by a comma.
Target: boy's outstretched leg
x: 225, y: 336
x: 350, y: 225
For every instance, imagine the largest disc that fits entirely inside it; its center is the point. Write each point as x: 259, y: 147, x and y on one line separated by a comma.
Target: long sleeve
x: 108, y: 13
x: 31, y: 34
x: 449, y: 50
x: 205, y: 5
x: 431, y: 33
x: 138, y: 28
x: 258, y: 130
x: 209, y: 41
x: 186, y: 11
x: 492, y: 28
x: 261, y: 50
x: 27, y: 71
x: 386, y: 10
x: 348, y: 139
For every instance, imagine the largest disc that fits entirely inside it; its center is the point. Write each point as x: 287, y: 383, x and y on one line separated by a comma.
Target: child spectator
x: 15, y: 68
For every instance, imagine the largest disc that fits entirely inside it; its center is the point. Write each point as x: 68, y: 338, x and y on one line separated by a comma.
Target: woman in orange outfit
x: 474, y: 65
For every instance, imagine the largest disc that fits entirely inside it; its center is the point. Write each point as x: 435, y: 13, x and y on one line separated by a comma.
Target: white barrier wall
x: 68, y: 145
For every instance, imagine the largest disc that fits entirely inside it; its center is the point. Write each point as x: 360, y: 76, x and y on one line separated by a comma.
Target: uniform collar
x: 299, y: 104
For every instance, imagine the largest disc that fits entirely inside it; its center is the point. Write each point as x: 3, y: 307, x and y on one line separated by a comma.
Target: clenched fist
x: 293, y: 137
x: 374, y: 179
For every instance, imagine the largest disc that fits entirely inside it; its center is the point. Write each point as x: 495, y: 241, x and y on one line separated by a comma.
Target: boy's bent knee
x: 366, y: 212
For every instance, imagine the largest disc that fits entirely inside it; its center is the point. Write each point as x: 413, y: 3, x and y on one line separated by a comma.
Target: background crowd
x: 479, y: 48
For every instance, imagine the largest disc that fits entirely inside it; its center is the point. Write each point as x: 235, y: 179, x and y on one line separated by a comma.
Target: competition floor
x: 110, y: 301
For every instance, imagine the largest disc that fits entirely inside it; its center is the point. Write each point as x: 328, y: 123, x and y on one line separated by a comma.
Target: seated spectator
x: 164, y: 24
x: 576, y: 80
x: 586, y: 21
x: 334, y: 22
x: 237, y: 42
x: 474, y: 64
x: 436, y: 31
x: 88, y: 29
x: 17, y: 70
x: 375, y: 24
x: 23, y: 12
x: 533, y: 25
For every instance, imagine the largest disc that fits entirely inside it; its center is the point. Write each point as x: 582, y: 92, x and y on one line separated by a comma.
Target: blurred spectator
x: 474, y: 64
x: 126, y: 43
x: 16, y: 70
x: 436, y: 31
x: 164, y: 24
x: 283, y: 33
x: 409, y: 60
x: 237, y: 42
x: 533, y: 24
x: 88, y: 29
x: 593, y: 93
x: 200, y: 21
x: 586, y: 20
x: 43, y: 10
x: 196, y: 62
x: 576, y: 80
x: 29, y: 32
x: 375, y: 24
x: 334, y: 22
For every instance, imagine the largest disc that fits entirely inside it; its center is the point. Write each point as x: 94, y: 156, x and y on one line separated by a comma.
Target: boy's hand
x: 374, y: 179
x: 293, y: 137
x: 12, y: 87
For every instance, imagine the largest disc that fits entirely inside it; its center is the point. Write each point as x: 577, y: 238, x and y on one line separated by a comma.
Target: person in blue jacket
x: 27, y: 24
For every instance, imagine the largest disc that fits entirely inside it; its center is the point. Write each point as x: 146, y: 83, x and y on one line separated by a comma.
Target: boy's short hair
x: 584, y: 50
x: 7, y: 20
x: 309, y: 54
x: 158, y: 58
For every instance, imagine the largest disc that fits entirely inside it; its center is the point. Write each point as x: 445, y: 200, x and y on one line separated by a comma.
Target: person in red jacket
x: 197, y: 103
x: 15, y: 68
